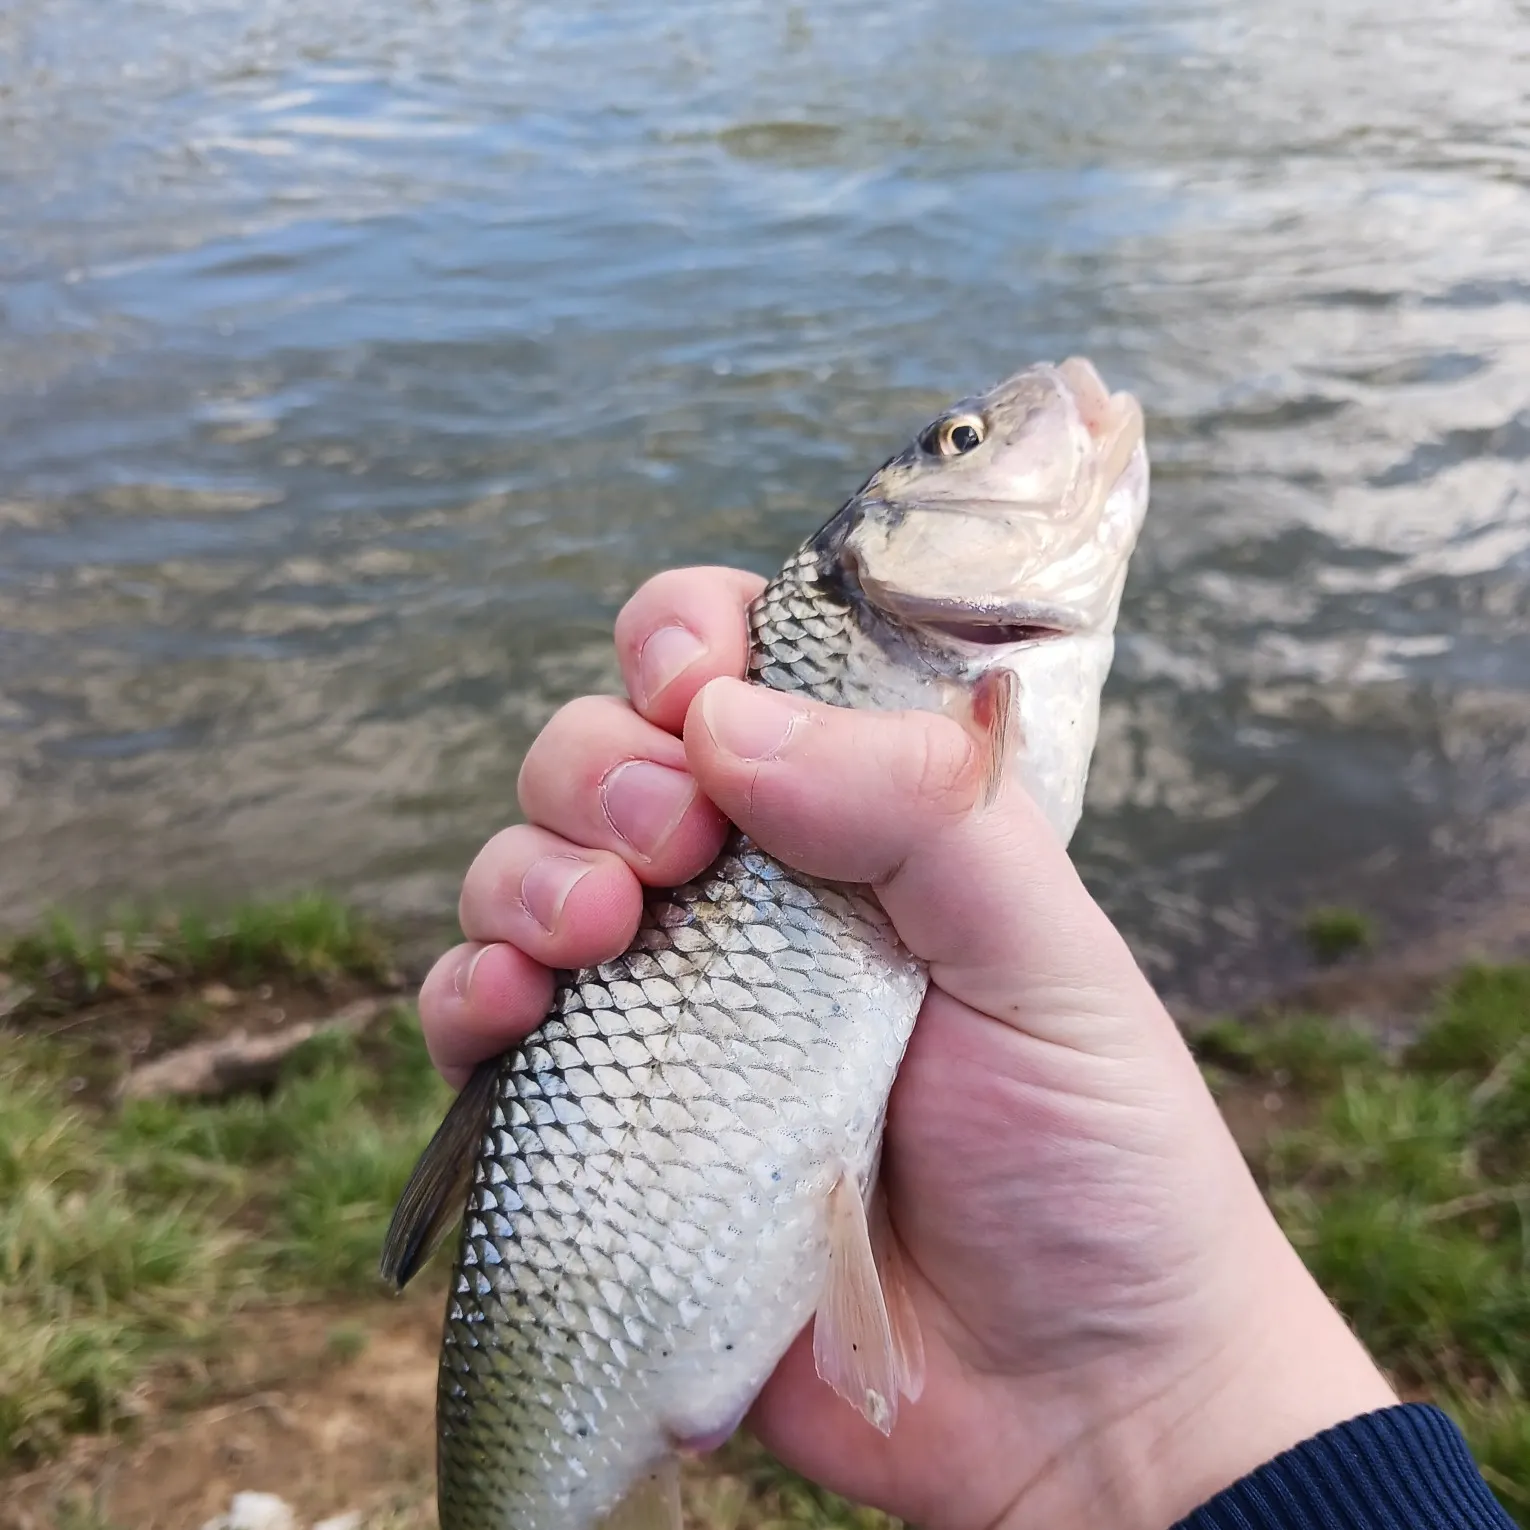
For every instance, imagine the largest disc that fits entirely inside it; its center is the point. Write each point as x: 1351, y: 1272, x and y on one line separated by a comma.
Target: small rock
x: 351, y: 1520
x: 219, y: 995
x: 12, y: 995
x: 255, y: 1511
x: 237, y: 1448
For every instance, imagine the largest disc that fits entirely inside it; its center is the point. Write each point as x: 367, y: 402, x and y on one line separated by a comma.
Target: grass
x: 124, y: 1237
x: 1304, y: 1052
x: 1407, y: 1191
x: 1333, y: 933
x: 1482, y: 1022
x: 127, y: 1236
x: 65, y: 963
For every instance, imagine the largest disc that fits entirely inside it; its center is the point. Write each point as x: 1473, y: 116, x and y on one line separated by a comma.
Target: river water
x: 356, y: 361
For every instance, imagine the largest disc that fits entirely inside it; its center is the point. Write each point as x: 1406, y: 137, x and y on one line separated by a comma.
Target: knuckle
x: 490, y: 870
x: 435, y: 985
x: 650, y: 605
x: 585, y: 715
x: 567, y: 736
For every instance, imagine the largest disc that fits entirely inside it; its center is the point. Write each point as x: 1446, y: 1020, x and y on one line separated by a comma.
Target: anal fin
x: 866, y: 1340
x: 437, y: 1190
x: 651, y: 1503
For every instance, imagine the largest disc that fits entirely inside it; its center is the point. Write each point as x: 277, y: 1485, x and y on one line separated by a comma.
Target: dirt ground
x: 329, y: 1406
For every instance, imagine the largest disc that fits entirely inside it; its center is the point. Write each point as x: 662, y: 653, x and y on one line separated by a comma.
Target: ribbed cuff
x: 1401, y: 1468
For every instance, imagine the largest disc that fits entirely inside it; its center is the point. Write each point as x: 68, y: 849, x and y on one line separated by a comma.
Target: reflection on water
x: 354, y: 367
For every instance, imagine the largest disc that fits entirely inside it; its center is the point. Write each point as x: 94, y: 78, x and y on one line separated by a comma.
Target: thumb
x: 986, y: 896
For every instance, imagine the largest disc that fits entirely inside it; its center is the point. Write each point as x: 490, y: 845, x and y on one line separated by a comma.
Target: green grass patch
x: 346, y: 1341
x: 1305, y: 1052
x: 311, y: 937
x: 126, y: 1236
x: 1482, y: 1022
x: 1334, y: 933
x: 1407, y: 1192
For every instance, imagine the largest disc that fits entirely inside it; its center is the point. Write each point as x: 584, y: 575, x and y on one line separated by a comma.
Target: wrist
x: 1277, y: 1367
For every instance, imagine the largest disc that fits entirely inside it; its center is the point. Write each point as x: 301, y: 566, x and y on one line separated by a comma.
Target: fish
x: 678, y: 1171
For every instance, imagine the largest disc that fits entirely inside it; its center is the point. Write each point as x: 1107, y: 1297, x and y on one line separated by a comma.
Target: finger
x: 560, y: 903
x: 601, y: 777
x: 988, y: 897
x: 477, y: 1001
x: 681, y: 629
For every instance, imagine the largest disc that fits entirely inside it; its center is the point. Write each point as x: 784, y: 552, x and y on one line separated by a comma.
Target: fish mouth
x: 994, y: 634
x: 1006, y: 626
x: 1114, y: 420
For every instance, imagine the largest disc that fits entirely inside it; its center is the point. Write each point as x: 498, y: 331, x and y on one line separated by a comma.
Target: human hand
x: 1114, y: 1326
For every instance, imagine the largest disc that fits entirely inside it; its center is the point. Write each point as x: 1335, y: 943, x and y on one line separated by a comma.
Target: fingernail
x: 645, y: 802
x: 547, y: 884
x: 666, y: 656
x: 749, y: 721
x: 462, y: 978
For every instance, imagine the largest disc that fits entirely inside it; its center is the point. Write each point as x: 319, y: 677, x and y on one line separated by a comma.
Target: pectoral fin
x: 866, y: 1341
x: 437, y: 1190
x: 908, y: 1339
x: 995, y: 719
x: 652, y: 1503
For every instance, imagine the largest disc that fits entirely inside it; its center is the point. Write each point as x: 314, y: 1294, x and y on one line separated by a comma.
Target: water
x: 357, y: 361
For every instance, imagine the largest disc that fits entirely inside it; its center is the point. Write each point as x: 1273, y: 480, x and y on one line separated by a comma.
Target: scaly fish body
x: 652, y: 1210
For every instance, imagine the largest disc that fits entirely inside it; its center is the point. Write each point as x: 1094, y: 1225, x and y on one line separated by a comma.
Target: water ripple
x: 354, y: 366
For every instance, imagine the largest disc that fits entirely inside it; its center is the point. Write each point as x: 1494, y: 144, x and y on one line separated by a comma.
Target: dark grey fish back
x: 800, y: 631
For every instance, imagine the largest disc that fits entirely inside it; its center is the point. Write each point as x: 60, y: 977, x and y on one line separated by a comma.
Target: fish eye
x: 951, y: 438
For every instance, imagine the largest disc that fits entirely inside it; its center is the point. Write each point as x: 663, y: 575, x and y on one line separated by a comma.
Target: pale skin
x: 1115, y: 1327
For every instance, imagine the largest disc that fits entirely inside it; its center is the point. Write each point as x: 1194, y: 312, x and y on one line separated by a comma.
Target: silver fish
x: 677, y: 1171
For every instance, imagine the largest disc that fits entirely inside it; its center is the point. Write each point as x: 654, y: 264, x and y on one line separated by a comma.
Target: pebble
x: 255, y: 1511
x: 265, y: 1511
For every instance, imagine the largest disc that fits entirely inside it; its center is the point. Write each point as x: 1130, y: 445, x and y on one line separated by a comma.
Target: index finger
x: 683, y: 628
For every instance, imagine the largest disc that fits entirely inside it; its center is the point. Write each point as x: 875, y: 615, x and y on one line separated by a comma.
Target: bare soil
x: 284, y: 1408
x: 129, y: 1025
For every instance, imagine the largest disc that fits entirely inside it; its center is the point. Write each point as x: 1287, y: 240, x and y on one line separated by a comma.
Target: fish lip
x: 1012, y: 625
x: 987, y: 633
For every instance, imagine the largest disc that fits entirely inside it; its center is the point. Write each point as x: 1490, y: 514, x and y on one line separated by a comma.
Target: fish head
x: 1012, y: 516
x: 1000, y: 538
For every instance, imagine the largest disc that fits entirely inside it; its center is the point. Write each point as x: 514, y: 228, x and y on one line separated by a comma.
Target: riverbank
x: 189, y: 1307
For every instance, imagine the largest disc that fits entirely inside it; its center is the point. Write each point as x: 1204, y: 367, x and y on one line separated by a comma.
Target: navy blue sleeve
x: 1402, y: 1468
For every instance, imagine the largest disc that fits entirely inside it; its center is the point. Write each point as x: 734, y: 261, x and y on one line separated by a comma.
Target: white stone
x: 351, y: 1520
x: 255, y: 1511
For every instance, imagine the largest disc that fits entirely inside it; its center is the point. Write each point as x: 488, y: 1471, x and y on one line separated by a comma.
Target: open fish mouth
x: 956, y: 623
x: 988, y: 629
x: 1114, y: 420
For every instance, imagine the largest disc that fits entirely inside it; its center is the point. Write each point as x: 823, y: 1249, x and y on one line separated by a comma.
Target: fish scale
x: 648, y: 1194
